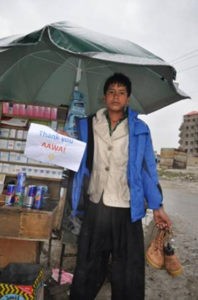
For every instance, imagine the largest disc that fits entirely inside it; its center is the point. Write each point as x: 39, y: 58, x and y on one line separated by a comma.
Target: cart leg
x: 61, y: 263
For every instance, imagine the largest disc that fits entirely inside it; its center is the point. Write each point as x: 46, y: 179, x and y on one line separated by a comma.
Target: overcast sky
x: 167, y: 28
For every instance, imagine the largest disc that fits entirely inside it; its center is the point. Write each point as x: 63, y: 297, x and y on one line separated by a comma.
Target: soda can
x: 18, y: 198
x: 45, y: 195
x: 9, y: 198
x: 38, y: 199
x: 29, y: 199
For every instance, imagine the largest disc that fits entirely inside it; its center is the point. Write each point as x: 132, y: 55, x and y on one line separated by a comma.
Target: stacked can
x: 10, y: 192
x: 30, y: 196
x: 38, y: 199
x: 45, y: 195
x: 20, y: 188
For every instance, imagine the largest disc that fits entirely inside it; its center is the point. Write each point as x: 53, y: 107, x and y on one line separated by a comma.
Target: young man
x: 120, y: 166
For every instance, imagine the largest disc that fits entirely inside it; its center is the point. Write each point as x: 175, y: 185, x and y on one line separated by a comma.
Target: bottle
x: 20, y: 189
x: 77, y: 109
x: 168, y: 249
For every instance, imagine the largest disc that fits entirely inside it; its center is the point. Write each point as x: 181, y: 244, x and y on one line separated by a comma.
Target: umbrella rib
x: 156, y: 74
x: 45, y: 59
x: 69, y: 63
x: 18, y: 61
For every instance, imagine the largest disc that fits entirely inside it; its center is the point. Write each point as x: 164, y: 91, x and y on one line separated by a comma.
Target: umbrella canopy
x: 45, y: 66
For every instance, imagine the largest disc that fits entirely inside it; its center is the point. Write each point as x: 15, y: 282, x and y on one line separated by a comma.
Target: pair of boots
x: 160, y: 254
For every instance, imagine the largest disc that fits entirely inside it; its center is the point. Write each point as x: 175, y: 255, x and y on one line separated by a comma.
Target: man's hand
x: 161, y: 218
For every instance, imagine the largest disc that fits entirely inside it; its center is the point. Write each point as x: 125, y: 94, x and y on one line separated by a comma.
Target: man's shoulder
x: 140, y: 126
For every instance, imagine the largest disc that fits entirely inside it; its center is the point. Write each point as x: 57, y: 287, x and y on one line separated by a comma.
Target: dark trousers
x: 107, y: 232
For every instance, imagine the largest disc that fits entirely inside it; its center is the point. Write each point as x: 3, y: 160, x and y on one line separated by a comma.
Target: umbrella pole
x: 78, y: 74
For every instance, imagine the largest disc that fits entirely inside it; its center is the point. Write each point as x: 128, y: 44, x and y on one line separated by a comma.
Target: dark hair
x: 120, y: 79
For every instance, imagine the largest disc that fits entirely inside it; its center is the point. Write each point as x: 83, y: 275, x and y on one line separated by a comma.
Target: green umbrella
x: 45, y: 66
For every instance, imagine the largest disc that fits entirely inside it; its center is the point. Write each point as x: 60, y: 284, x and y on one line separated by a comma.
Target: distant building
x: 189, y: 134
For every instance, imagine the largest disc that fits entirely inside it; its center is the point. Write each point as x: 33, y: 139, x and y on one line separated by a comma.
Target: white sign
x: 46, y: 145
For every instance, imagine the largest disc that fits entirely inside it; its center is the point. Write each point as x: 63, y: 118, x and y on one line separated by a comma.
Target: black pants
x: 108, y: 232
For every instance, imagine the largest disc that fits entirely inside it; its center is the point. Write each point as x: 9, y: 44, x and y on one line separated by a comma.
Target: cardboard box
x: 18, y: 251
x: 22, y: 279
x: 29, y: 224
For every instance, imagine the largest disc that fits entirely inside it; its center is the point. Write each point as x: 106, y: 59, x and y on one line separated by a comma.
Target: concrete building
x: 189, y: 134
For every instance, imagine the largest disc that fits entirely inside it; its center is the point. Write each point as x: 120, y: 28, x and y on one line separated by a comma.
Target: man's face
x: 116, y: 98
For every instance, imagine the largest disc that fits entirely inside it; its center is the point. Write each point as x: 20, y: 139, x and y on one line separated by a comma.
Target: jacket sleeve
x: 80, y: 183
x: 152, y: 188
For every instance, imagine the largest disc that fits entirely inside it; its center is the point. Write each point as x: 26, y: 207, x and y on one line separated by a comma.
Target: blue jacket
x: 142, y: 175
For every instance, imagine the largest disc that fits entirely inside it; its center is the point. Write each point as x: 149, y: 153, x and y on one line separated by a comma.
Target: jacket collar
x: 101, y: 126
x: 136, y: 125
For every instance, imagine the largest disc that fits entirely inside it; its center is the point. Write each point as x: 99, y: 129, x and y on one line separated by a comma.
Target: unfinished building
x: 189, y: 134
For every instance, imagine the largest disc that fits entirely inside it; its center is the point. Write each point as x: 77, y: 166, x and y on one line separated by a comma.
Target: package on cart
x: 4, y: 132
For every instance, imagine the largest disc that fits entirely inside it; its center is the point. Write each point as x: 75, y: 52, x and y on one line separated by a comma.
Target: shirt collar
x: 111, y: 130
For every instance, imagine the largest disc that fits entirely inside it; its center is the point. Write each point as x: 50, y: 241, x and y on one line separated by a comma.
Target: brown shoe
x: 155, y: 252
x: 171, y: 261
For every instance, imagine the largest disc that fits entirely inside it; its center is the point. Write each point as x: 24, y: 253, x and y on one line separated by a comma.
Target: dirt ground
x: 159, y: 284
